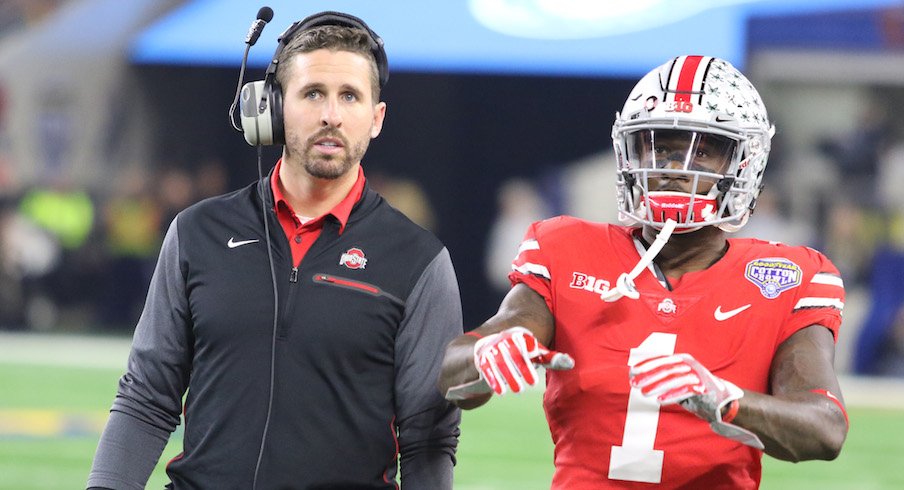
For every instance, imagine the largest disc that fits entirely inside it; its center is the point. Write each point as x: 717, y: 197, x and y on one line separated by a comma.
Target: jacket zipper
x: 281, y: 329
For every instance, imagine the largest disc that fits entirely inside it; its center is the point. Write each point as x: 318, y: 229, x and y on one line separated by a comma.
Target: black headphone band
x: 335, y: 19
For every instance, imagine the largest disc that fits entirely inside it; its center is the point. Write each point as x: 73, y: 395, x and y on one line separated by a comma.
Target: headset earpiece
x: 257, y: 123
x: 261, y: 113
x: 261, y: 101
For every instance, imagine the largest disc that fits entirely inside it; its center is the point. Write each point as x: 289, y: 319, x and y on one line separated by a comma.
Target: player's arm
x: 522, y: 307
x: 801, y: 419
x: 804, y: 417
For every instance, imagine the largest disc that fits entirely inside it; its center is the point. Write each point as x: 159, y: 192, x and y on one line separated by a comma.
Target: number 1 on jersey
x: 635, y: 459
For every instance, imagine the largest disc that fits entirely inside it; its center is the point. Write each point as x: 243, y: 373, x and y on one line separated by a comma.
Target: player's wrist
x: 729, y: 411
x: 730, y: 400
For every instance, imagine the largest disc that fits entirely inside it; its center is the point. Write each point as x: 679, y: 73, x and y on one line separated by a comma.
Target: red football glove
x: 506, y: 360
x: 679, y: 378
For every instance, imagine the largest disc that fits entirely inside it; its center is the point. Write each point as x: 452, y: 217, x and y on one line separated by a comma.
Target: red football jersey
x: 731, y: 317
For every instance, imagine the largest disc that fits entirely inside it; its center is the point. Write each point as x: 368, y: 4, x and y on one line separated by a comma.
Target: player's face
x: 328, y: 111
x: 675, y: 152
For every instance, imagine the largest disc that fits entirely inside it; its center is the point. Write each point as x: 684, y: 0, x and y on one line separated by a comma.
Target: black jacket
x: 355, y: 350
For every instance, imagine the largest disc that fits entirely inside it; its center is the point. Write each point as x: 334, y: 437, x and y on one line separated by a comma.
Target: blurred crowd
x: 74, y: 258
x: 864, y: 230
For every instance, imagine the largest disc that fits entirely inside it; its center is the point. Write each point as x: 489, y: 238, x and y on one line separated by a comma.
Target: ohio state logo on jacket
x: 353, y: 259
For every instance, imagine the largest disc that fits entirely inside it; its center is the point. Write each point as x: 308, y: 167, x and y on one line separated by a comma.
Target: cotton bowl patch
x: 773, y: 275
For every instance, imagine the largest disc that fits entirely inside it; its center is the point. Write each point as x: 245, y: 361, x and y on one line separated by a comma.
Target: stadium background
x: 104, y: 135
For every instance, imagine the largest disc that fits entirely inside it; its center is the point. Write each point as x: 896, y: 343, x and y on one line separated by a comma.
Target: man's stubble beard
x: 327, y: 166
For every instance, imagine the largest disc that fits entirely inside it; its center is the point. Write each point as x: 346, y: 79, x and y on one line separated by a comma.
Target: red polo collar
x: 302, y: 236
x: 341, y: 211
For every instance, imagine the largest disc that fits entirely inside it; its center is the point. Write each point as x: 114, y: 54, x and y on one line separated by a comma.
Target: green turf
x: 71, y: 388
x: 504, y: 445
x: 870, y: 459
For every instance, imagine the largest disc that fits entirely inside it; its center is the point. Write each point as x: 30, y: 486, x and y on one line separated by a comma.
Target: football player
x: 680, y: 355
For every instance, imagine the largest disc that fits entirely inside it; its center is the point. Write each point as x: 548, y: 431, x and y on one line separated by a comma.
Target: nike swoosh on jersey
x: 232, y: 243
x: 725, y: 315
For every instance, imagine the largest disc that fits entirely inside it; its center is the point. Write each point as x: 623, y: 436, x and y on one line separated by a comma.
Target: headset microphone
x: 264, y: 15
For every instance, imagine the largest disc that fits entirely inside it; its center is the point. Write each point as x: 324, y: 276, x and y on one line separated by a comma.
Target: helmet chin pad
x: 690, y: 211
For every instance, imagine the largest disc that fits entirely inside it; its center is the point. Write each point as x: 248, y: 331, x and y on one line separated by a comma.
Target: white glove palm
x: 679, y: 378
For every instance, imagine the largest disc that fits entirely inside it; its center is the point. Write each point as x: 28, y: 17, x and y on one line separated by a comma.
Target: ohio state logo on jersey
x: 579, y: 280
x: 667, y: 306
x: 353, y: 259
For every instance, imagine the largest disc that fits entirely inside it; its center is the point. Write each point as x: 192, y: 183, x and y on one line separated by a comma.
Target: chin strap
x: 624, y: 286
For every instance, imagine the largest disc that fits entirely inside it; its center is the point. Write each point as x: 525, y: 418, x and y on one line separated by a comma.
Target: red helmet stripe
x: 686, y: 78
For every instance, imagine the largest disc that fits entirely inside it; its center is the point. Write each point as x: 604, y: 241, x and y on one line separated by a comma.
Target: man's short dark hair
x: 333, y: 38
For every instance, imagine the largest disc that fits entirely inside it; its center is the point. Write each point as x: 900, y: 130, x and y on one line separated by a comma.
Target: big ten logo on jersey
x: 679, y: 106
x: 579, y: 280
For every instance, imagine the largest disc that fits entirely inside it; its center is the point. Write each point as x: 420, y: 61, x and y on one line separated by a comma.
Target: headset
x: 262, y: 101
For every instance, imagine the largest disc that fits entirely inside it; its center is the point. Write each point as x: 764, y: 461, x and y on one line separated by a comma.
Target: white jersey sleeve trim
x: 827, y: 279
x: 535, y: 269
x: 819, y: 303
x: 528, y: 245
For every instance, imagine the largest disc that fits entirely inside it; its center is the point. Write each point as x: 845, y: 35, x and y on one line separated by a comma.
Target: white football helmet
x: 691, y: 145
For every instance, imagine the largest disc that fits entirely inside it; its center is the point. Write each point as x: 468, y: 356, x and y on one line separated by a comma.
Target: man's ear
x: 377, y: 124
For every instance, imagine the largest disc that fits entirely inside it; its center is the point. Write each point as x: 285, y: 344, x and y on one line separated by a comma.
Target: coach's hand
x: 679, y: 378
x: 507, y: 360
